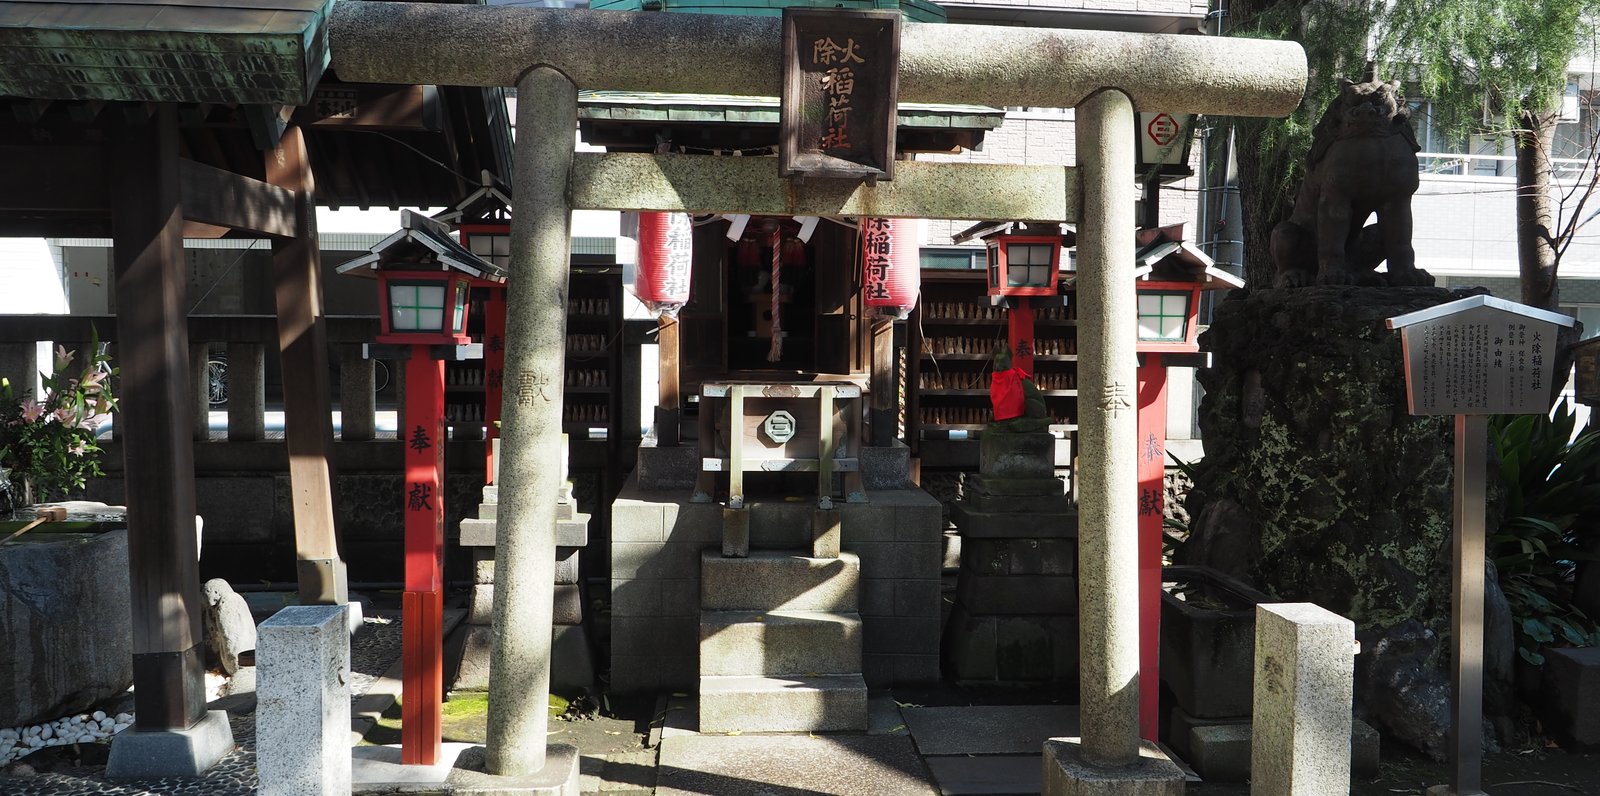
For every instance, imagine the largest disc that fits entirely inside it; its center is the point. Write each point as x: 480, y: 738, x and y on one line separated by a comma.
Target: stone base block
x: 1066, y: 773
x: 1018, y: 595
x: 1011, y: 649
x: 779, y: 642
x: 995, y: 485
x: 1012, y: 455
x: 379, y: 771
x: 571, y: 662
x: 1020, y: 556
x: 567, y: 608
x: 570, y: 532
x: 886, y: 467
x: 1571, y: 690
x: 1180, y: 723
x: 771, y: 581
x: 735, y: 533
x: 826, y: 531
x: 1446, y: 790
x: 1021, y: 504
x: 1221, y: 752
x: 783, y: 704
x: 157, y: 754
x: 976, y: 524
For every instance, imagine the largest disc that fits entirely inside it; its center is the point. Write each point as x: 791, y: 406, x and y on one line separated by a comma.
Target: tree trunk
x: 1536, y: 254
x: 1264, y: 188
x: 1537, y: 257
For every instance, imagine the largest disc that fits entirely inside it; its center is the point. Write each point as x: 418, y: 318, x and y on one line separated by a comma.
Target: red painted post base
x: 422, y: 681
x: 1152, y: 497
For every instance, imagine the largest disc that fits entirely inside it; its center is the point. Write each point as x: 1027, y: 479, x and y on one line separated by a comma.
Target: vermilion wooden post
x: 494, y: 361
x: 1152, y: 493
x: 1019, y: 334
x: 422, y: 605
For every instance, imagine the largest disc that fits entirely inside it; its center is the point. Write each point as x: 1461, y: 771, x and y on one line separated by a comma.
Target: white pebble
x: 47, y: 731
x: 86, y: 738
x: 124, y: 718
x: 106, y: 723
x: 99, y: 715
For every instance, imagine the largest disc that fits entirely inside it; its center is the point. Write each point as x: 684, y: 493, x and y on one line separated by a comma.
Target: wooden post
x: 1466, y: 616
x: 885, y: 397
x: 735, y: 402
x: 1019, y: 334
x: 303, y: 347
x: 825, y: 445
x: 1152, y: 493
x: 199, y: 391
x: 158, y: 449
x: 422, y: 651
x: 494, y: 367
x: 669, y: 402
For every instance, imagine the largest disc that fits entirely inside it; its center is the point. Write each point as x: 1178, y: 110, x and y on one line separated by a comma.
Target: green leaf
x: 1531, y: 657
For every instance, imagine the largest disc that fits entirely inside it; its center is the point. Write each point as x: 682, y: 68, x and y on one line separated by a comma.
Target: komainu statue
x: 1363, y: 161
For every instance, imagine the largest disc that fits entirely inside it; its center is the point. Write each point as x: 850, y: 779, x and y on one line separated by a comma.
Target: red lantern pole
x: 422, y: 650
x: 1019, y: 334
x: 1152, y: 493
x: 494, y: 362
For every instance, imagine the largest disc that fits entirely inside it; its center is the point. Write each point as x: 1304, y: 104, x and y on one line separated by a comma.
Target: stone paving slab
x: 991, y: 774
x: 791, y: 765
x: 989, y: 729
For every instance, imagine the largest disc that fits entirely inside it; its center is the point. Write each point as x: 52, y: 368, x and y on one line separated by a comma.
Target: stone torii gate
x: 548, y: 55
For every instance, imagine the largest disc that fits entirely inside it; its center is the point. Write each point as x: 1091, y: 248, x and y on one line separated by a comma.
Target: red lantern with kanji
x: 666, y: 255
x: 891, y: 274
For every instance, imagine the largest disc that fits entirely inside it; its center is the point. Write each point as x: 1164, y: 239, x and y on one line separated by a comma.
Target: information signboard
x: 841, y: 77
x: 1479, y: 356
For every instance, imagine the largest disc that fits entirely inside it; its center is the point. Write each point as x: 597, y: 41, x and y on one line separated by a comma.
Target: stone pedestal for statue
x: 571, y: 662
x: 1015, y: 615
x: 1319, y: 486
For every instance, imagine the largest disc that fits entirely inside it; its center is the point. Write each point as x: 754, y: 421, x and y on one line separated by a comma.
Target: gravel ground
x: 79, y: 769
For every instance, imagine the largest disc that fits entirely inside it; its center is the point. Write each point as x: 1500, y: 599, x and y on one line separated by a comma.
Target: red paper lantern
x: 666, y: 254
x: 890, y: 263
x: 794, y: 251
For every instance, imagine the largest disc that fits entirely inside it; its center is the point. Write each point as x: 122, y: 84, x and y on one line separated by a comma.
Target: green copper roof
x: 224, y: 51
x: 914, y: 10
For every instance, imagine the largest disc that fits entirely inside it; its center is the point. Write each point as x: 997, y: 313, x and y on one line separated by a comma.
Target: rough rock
x: 64, y: 626
x: 1319, y: 486
x: 230, y: 629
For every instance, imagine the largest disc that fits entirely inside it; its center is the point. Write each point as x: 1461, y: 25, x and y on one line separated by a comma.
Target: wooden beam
x: 224, y: 199
x: 158, y: 467
x: 702, y: 184
x: 53, y: 178
x: 372, y: 107
x: 303, y: 346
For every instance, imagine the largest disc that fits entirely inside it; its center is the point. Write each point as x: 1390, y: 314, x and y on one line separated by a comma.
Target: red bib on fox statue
x: 1005, y: 392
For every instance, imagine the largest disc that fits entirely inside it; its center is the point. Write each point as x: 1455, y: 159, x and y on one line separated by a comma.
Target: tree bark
x: 1537, y: 259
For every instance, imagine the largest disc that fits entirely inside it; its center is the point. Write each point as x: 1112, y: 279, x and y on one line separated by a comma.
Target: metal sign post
x: 1473, y: 358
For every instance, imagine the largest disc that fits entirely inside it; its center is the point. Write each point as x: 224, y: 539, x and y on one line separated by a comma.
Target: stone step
x: 772, y: 580
x: 830, y: 703
x: 779, y: 642
x: 565, y: 510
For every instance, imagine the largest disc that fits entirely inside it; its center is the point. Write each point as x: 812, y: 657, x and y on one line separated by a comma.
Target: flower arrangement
x: 49, y: 442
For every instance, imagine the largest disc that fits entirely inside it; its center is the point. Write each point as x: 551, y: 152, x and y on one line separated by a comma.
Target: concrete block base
x: 156, y: 754
x: 1446, y: 790
x: 1221, y: 752
x: 1066, y: 773
x: 461, y: 771
x: 571, y: 663
x: 836, y: 703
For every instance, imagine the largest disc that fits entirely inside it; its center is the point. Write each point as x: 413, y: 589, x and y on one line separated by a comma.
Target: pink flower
x: 63, y: 357
x: 92, y: 383
x: 78, y: 448
x: 65, y: 416
x: 31, y: 410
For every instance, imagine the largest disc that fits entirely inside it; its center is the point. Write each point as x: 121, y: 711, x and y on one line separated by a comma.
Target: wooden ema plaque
x: 841, y: 77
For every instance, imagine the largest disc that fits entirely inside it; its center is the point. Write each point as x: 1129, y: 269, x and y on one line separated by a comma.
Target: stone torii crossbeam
x: 549, y: 54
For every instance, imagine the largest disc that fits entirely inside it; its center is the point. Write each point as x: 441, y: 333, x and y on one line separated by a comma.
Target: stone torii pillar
x: 1109, y: 757
x: 529, y: 476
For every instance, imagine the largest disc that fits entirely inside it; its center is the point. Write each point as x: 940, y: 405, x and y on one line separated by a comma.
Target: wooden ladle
x: 43, y: 515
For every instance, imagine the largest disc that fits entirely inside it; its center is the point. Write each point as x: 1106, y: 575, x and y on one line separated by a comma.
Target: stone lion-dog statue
x: 1363, y: 161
